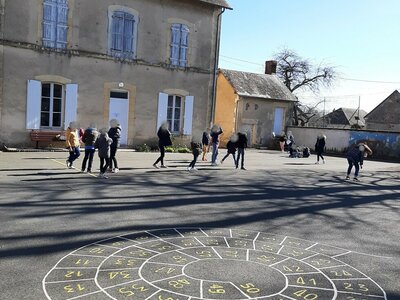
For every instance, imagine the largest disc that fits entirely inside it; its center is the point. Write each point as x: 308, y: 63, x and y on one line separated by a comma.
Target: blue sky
x: 361, y: 38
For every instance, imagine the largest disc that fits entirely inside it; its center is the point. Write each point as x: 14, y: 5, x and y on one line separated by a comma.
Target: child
x: 196, y: 150
x: 355, y: 157
x: 206, y: 144
x: 241, y: 144
x: 319, y: 147
x: 115, y: 134
x: 89, y: 138
x: 231, y: 149
x: 73, y: 144
x: 103, y: 143
x: 164, y: 140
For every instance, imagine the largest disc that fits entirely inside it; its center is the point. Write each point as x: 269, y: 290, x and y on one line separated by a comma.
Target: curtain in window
x: 55, y: 23
x: 122, y: 34
x: 179, y: 44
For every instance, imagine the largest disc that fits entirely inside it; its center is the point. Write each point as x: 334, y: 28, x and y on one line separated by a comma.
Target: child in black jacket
x: 231, y: 149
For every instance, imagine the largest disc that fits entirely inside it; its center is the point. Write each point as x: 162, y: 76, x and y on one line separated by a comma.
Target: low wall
x: 385, y: 145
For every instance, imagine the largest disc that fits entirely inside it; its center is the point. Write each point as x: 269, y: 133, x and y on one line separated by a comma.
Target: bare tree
x: 300, y: 74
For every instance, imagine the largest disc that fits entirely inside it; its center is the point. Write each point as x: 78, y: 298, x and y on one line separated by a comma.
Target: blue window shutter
x: 128, y: 33
x: 162, y: 109
x: 71, y: 104
x: 175, y: 44
x: 117, y: 31
x: 33, y: 104
x: 49, y: 23
x: 184, y: 44
x: 188, y: 117
x: 62, y: 25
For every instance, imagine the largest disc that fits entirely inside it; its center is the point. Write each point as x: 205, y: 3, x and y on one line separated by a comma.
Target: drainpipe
x: 216, y: 54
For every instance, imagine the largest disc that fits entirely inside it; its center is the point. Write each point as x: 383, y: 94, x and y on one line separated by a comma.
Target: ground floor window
x: 177, y: 111
x: 51, y: 105
x: 174, y: 113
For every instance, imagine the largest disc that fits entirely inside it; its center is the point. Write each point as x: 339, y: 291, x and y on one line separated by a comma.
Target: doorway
x: 119, y: 109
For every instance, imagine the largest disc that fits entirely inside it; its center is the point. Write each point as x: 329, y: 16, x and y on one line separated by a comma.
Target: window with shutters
x: 122, y: 34
x: 174, y: 113
x: 51, y: 110
x: 55, y: 23
x: 179, y: 45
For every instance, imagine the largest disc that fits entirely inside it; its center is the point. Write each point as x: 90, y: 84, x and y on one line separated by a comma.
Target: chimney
x: 270, y: 66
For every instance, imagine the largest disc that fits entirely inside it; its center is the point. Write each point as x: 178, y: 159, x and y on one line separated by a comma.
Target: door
x: 119, y: 109
x: 278, y: 120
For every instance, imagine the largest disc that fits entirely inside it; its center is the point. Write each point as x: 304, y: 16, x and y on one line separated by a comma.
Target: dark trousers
x: 319, y: 154
x: 74, y: 154
x: 162, y: 154
x: 89, y: 153
x: 193, y: 163
x: 226, y: 156
x: 104, y: 162
x: 356, y: 166
x: 240, y: 154
x: 113, y: 159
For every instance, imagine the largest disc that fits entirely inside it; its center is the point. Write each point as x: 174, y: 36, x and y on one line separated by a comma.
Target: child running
x: 196, y: 150
x: 231, y: 149
x: 103, y: 143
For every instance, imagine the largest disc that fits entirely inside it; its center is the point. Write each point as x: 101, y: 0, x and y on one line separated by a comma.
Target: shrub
x: 143, y: 148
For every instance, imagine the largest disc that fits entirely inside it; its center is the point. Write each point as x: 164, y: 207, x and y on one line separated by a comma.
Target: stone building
x: 140, y: 61
x: 258, y: 104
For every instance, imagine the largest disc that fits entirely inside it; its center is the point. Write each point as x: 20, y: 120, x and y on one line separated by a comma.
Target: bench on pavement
x: 44, y: 136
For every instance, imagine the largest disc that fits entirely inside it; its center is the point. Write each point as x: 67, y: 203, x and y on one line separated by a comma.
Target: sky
x: 360, y: 38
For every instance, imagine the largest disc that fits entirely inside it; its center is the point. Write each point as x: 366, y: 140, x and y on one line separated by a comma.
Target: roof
x: 346, y: 116
x: 258, y: 85
x: 376, y: 111
x: 221, y: 3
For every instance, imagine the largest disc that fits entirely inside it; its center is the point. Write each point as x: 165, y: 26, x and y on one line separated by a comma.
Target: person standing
x: 216, y: 131
x: 73, y: 144
x: 89, y: 138
x: 231, y: 150
x: 115, y: 134
x: 196, y: 149
x: 320, y: 147
x: 164, y: 139
x: 355, y: 157
x: 206, y: 144
x: 282, y: 141
x: 103, y: 143
x: 241, y: 145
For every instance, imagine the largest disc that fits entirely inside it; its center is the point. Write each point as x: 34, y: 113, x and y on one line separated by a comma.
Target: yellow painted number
x: 250, y: 288
x: 178, y: 284
x: 204, y: 253
x: 165, y: 270
x: 303, y: 294
x: 301, y: 281
x: 179, y: 259
x: 216, y: 289
x: 72, y: 273
x: 70, y: 289
x: 265, y: 258
x: 122, y: 274
x: 82, y: 262
x: 97, y: 250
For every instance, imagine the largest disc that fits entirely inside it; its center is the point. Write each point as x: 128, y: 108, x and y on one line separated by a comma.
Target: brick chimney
x: 270, y: 66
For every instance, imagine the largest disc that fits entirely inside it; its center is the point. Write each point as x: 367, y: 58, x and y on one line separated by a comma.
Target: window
x: 179, y: 45
x: 177, y: 111
x: 122, y: 34
x: 174, y: 113
x: 51, y: 105
x: 55, y: 23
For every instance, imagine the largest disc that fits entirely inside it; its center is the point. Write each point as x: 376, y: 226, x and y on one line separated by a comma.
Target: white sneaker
x: 188, y: 168
x: 194, y: 168
x: 317, y: 163
x: 115, y: 170
x: 214, y: 164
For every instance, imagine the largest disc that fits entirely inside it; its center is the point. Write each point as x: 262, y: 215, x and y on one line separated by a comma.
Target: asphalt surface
x: 282, y: 229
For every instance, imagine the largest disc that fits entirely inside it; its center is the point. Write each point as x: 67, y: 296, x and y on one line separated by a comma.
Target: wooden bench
x: 44, y: 136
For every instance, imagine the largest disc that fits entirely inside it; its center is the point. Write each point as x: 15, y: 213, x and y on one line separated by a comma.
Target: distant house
x: 345, y: 118
x: 258, y: 104
x: 386, y: 116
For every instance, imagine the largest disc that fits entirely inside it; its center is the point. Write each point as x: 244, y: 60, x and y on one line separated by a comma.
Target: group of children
x: 237, y: 142
x: 107, y: 143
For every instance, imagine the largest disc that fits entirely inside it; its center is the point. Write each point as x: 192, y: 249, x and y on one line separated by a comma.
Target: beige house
x: 140, y: 61
x: 258, y: 104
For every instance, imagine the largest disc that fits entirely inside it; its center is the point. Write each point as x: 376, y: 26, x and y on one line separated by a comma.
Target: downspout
x: 216, y: 54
